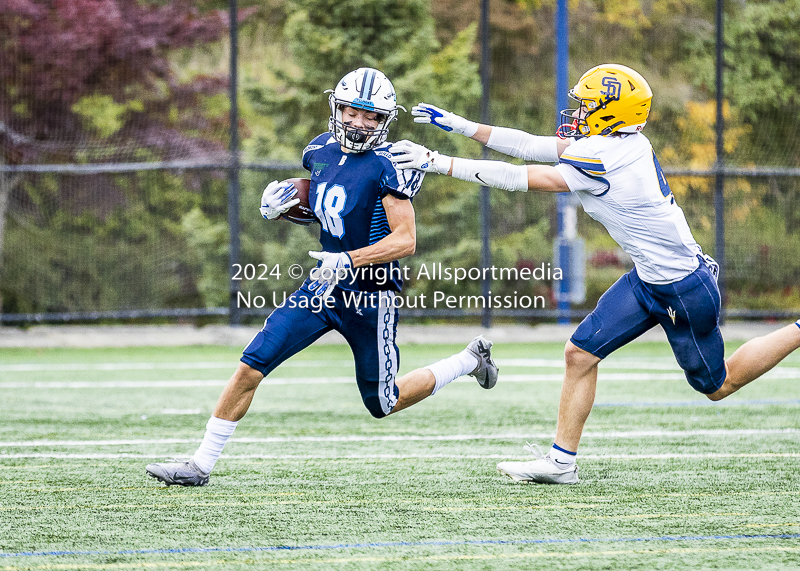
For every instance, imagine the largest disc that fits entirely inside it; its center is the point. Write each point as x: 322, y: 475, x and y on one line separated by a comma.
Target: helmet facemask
x: 572, y: 124
x: 352, y: 138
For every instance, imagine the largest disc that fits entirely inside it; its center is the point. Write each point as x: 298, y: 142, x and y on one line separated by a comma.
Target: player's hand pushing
x: 410, y: 155
x: 427, y: 113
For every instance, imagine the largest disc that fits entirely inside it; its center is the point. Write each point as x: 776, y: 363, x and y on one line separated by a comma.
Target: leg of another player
x: 756, y: 357
x: 577, y: 396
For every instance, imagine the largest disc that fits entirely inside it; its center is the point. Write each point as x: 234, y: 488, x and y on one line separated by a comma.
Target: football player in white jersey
x: 605, y: 160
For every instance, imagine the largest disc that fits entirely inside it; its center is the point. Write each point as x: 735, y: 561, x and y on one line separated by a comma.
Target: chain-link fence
x: 114, y: 200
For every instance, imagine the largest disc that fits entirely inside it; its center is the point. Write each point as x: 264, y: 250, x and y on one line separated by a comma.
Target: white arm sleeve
x: 524, y: 145
x: 492, y: 173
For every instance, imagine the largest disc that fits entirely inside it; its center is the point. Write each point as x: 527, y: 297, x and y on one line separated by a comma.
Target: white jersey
x: 621, y: 185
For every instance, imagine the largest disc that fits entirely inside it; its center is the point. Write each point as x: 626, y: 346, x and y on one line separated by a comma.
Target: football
x: 301, y: 213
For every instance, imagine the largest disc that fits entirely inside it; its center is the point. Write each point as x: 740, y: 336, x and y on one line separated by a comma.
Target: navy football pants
x: 370, y: 329
x: 688, y: 310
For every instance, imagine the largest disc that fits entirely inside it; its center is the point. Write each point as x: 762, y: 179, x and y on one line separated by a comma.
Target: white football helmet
x: 368, y: 89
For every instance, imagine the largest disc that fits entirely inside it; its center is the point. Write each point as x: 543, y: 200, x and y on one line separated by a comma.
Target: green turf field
x: 312, y: 481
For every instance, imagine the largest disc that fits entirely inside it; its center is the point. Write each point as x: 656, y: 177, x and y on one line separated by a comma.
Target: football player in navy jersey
x: 363, y: 203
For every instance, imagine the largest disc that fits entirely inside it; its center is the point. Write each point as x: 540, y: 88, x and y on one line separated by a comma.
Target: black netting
x: 128, y: 132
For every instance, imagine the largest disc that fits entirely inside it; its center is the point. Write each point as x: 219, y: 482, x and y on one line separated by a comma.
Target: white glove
x: 425, y: 113
x: 334, y: 268
x: 409, y: 155
x: 712, y: 264
x: 277, y: 199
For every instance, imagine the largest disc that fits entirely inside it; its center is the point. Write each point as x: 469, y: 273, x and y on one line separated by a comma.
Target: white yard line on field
x: 376, y: 456
x: 658, y: 364
x: 199, y: 365
x: 780, y: 373
x: 608, y: 435
x: 666, y: 364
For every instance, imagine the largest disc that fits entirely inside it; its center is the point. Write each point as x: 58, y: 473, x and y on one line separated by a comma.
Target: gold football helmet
x: 614, y: 99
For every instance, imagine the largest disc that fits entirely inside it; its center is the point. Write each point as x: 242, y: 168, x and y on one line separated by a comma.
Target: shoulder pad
x: 584, y: 156
x: 317, y: 143
x: 310, y: 148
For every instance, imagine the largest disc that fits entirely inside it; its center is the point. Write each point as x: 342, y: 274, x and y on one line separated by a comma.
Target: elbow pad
x: 520, y: 144
x: 492, y: 173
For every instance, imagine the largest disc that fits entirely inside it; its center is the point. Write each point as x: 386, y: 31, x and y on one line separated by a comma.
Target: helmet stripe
x: 366, y: 86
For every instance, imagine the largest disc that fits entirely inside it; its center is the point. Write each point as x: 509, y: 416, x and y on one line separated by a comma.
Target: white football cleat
x: 178, y: 473
x: 543, y: 470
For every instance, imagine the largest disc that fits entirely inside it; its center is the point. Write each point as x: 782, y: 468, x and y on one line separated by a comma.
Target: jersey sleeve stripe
x: 594, y: 166
x: 599, y: 179
x: 379, y: 226
x: 582, y: 159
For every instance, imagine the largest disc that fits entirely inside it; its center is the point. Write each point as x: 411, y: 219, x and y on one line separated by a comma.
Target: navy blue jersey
x: 346, y: 193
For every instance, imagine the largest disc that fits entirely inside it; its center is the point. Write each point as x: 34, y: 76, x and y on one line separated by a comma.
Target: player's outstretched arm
x: 522, y: 145
x: 409, y: 155
x: 449, y: 122
x: 512, y: 142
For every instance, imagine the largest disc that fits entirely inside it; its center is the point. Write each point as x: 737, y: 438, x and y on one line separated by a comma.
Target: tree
x: 92, y: 81
x: 764, y: 83
x: 325, y: 39
x: 99, y: 69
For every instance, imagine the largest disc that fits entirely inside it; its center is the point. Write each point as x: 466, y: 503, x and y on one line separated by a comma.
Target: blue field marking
x: 701, y: 403
x: 398, y: 544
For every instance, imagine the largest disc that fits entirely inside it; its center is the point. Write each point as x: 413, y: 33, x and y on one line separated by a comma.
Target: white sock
x: 450, y: 369
x: 563, y: 458
x: 217, y: 433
